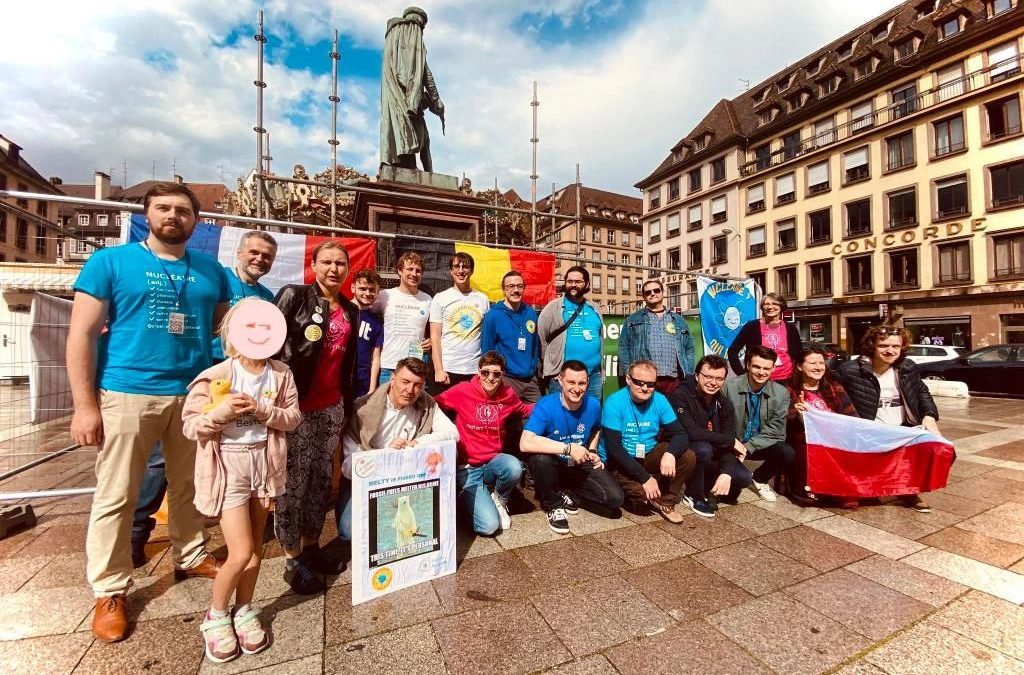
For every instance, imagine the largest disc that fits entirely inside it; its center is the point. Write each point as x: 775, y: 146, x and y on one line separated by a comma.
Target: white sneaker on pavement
x: 764, y: 490
x: 504, y: 519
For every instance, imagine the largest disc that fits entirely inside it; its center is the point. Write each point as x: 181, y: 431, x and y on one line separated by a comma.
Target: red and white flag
x: 852, y: 457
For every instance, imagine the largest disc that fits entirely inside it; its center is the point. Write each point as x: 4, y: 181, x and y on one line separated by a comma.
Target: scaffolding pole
x: 335, y: 57
x: 261, y: 40
x: 533, y: 172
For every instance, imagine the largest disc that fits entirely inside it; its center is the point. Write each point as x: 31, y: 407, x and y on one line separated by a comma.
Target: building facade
x: 882, y: 177
x: 28, y: 227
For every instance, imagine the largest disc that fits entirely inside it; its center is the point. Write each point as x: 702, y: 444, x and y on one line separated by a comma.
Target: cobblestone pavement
x: 762, y: 588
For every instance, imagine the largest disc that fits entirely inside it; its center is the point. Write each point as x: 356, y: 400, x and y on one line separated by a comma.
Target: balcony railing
x: 756, y: 250
x: 979, y: 79
x: 820, y: 187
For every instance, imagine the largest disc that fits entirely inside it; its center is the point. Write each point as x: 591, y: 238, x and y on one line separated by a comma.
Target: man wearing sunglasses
x: 655, y: 334
x: 485, y: 476
x: 651, y: 471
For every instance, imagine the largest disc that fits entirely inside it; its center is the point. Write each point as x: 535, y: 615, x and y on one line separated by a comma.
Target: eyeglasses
x: 515, y: 287
x: 575, y: 282
x: 643, y: 384
x: 889, y: 330
x: 491, y: 374
x: 710, y: 378
x: 651, y: 291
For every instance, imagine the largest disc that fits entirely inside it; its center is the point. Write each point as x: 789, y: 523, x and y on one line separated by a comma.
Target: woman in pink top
x: 772, y: 332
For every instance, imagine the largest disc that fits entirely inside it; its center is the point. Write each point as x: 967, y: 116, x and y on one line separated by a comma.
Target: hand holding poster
x: 403, y: 518
x: 724, y: 307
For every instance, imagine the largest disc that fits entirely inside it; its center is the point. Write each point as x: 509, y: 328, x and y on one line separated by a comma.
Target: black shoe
x: 301, y: 578
x: 138, y: 553
x: 569, y: 504
x: 526, y: 482
x: 321, y: 562
x: 557, y: 521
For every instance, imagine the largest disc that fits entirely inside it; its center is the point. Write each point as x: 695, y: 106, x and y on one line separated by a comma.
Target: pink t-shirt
x: 813, y: 400
x: 325, y: 389
x: 774, y: 337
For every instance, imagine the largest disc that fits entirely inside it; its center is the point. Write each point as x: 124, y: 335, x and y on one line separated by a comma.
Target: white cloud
x: 79, y: 96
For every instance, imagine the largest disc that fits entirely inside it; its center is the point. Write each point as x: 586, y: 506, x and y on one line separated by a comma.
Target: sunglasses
x: 652, y: 291
x: 643, y: 384
x: 889, y: 330
x: 491, y: 374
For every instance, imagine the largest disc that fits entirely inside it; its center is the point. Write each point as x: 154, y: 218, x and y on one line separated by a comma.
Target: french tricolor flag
x: 294, y: 251
x: 852, y: 457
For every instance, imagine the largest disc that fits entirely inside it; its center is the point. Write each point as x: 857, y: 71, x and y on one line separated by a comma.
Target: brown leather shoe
x: 208, y: 568
x: 667, y: 512
x: 110, y: 622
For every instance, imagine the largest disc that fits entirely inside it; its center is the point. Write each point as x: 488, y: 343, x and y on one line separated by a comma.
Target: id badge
x: 415, y: 351
x: 587, y: 335
x: 641, y: 451
x: 176, y: 323
x: 521, y: 344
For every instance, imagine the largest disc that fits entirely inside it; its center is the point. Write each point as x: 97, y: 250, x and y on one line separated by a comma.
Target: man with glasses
x: 772, y: 332
x: 510, y: 328
x: 644, y: 444
x: 710, y: 423
x: 570, y: 330
x: 560, y: 437
x: 486, y: 476
x: 655, y: 334
x: 761, y: 408
x: 456, y: 316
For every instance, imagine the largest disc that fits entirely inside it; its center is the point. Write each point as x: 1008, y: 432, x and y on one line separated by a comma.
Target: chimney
x: 102, y: 185
x: 178, y: 179
x: 55, y: 180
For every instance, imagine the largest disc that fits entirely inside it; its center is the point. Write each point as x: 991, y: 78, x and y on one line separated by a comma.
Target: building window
x: 949, y: 135
x: 785, y: 235
x: 695, y: 254
x: 858, y: 218
x: 625, y: 259
x: 60, y: 248
x: 673, y: 189
x: 997, y: 7
x: 21, y: 234
x: 904, y: 49
x: 903, y: 269
x: 718, y: 213
x: 611, y: 284
x: 950, y: 81
x: 855, y: 166
x: 862, y: 116
x: 820, y: 275
x: 824, y: 132
x: 695, y: 218
x: 653, y: 230
x: 791, y: 145
x: 611, y: 259
x: 654, y: 260
x: 813, y: 67
x: 845, y: 50
x: 760, y: 279
x: 611, y: 232
x: 671, y: 225
x: 951, y: 197
x: 785, y: 189
x: 817, y: 178
x: 83, y: 220
x: 863, y: 68
x: 954, y: 262
x: 796, y: 101
x: 858, y: 274
x: 719, y: 250
x: 785, y: 279
x: 899, y: 150
x: 1003, y: 61
x: 925, y: 8
x: 596, y: 256
x: 756, y: 241
x: 40, y: 240
x: 694, y: 180
x: 783, y: 84
x: 904, y: 100
x: 1009, y: 256
x: 102, y: 219
x: 41, y: 207
x: 902, y: 208
x: 763, y: 156
x: 654, y: 198
x: 23, y: 203
x: 950, y: 27
x: 596, y: 282
x: 625, y: 238
x: 819, y: 225
x: 675, y: 292
x: 639, y: 261
x: 1007, y: 184
x: 595, y: 233
x: 700, y: 142
x: 1003, y: 117
x: 718, y: 170
x: 624, y: 288
x: 755, y: 198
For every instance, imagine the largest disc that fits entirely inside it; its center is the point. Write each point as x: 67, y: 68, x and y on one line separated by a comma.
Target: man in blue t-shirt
x: 510, y: 328
x: 370, y: 341
x: 141, y: 328
x: 570, y: 330
x: 645, y: 445
x: 560, y: 437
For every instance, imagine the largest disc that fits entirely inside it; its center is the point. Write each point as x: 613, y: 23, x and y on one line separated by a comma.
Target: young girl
x: 240, y: 465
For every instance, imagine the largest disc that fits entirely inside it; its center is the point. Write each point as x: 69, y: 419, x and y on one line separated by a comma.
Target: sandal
x: 219, y: 636
x: 251, y: 636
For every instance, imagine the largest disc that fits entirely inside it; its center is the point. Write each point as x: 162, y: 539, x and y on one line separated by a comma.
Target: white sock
x: 218, y: 613
x: 240, y: 610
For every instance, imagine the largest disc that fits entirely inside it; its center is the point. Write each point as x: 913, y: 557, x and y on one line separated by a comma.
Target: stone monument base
x: 417, y: 177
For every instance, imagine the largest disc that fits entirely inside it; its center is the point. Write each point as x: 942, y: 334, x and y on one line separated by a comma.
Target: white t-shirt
x: 890, y: 406
x: 405, y: 323
x: 461, y: 316
x: 246, y: 428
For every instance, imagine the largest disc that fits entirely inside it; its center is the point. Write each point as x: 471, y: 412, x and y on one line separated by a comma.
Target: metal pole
x: 579, y: 224
x: 335, y: 57
x: 533, y: 173
x: 37, y: 494
x: 261, y: 39
x: 36, y: 462
x: 496, y: 211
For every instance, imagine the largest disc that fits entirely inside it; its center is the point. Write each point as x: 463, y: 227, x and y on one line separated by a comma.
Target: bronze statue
x: 407, y: 89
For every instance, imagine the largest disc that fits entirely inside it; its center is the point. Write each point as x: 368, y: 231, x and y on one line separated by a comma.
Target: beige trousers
x: 132, y: 424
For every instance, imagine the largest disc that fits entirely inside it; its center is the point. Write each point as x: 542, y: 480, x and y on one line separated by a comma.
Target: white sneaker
x: 764, y: 490
x: 504, y: 519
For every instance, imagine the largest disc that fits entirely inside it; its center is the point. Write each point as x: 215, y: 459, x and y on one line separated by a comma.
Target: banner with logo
x: 403, y: 518
x: 724, y: 307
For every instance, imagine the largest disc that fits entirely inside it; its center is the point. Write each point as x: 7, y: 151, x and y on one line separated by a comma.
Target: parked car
x: 834, y: 354
x: 929, y: 353
x: 998, y: 370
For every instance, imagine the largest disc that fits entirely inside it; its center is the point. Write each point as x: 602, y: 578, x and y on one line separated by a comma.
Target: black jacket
x: 862, y: 387
x: 750, y: 334
x: 302, y: 354
x: 695, y: 413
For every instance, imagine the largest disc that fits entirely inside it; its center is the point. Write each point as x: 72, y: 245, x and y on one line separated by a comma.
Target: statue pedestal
x: 397, y: 174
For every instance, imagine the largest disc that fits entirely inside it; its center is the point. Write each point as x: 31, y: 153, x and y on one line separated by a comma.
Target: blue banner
x: 724, y: 307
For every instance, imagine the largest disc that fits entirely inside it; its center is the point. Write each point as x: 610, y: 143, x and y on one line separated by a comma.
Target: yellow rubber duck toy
x: 219, y: 389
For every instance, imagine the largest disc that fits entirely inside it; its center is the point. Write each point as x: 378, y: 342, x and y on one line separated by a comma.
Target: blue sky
x: 88, y: 86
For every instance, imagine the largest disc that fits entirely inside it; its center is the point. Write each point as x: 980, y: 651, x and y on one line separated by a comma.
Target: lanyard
x: 179, y: 293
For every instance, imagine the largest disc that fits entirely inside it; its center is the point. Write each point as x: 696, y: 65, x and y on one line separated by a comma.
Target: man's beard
x: 173, y: 240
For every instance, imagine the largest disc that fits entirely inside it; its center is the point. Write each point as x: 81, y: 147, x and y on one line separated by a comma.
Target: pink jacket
x: 282, y: 416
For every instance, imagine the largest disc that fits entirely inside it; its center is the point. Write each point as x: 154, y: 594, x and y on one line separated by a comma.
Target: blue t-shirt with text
x: 583, y: 338
x: 638, y: 424
x: 371, y: 335
x: 553, y: 420
x: 137, y: 354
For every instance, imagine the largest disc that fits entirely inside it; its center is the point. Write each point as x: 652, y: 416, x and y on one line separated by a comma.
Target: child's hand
x: 241, y: 403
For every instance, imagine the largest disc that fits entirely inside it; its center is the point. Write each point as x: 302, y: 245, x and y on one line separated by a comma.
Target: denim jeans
x: 595, y: 388
x: 595, y: 489
x: 151, y: 495
x: 343, y: 510
x: 472, y: 484
x: 778, y: 459
x: 708, y: 469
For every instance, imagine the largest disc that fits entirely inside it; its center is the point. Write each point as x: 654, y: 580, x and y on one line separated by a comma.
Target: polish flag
x: 852, y: 457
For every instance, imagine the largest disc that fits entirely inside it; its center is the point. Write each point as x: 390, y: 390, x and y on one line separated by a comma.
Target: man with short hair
x: 456, y: 316
x: 370, y: 341
x: 570, y: 330
x: 510, y: 328
x: 761, y: 407
x: 710, y: 423
x: 486, y: 475
x: 656, y: 334
x: 561, y: 437
x: 644, y: 444
x: 405, y: 310
x: 128, y: 384
x: 399, y: 414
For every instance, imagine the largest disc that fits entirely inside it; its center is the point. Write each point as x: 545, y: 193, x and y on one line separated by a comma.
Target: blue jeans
x: 151, y: 495
x: 343, y: 510
x: 475, y: 505
x: 595, y: 388
x: 708, y: 468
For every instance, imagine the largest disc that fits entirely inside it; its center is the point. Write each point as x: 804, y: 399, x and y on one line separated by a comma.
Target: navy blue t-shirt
x: 371, y: 335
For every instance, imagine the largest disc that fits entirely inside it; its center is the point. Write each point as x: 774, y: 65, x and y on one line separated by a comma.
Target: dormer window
x: 766, y: 116
x: 880, y: 32
x: 951, y: 26
x: 783, y: 84
x: 906, y: 48
x: 634, y: 219
x: 829, y: 84
x: 620, y: 215
x: 592, y: 210
x: 760, y: 96
x: 814, y: 66
x: 845, y: 50
x: 864, y: 67
x: 797, y: 100
x: 925, y: 8
x: 701, y: 142
x: 606, y: 213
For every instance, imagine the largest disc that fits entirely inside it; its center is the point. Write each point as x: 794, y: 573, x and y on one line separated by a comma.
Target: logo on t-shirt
x: 488, y: 412
x: 531, y: 326
x: 580, y: 428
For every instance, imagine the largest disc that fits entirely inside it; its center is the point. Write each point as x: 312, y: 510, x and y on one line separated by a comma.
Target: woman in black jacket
x: 772, y: 332
x: 321, y: 351
x: 885, y: 387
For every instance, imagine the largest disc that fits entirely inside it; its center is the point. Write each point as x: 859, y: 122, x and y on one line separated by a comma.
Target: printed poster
x: 724, y: 307
x: 403, y: 518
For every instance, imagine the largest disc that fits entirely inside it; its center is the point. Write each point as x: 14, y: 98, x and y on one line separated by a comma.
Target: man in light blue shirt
x: 570, y: 329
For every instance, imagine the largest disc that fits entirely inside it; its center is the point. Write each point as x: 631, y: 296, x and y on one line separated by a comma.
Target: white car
x: 927, y: 353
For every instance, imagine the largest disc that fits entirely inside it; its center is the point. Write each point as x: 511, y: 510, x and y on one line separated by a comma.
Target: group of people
x: 519, y: 393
